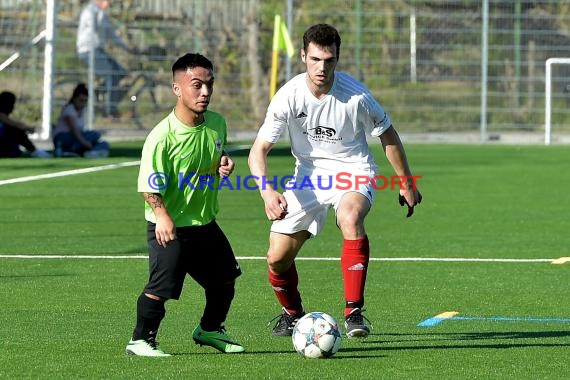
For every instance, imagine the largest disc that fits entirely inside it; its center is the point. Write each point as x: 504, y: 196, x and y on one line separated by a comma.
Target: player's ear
x: 176, y: 88
x: 303, y: 55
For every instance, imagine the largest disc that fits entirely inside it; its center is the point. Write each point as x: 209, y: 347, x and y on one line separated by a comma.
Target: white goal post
x: 48, y: 34
x: 548, y: 96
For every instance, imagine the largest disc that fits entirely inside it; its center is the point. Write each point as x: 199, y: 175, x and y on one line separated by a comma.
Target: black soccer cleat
x: 355, y: 325
x: 286, y: 323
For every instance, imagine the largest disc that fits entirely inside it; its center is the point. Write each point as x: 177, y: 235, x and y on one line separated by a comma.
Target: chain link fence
x: 424, y: 60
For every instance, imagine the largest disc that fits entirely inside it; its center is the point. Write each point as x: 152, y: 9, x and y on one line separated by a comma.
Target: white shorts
x: 307, y: 206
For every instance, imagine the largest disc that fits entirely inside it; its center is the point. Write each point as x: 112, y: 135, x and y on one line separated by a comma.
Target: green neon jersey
x: 181, y: 164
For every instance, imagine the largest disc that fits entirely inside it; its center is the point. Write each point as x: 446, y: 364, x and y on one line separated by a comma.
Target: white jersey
x: 329, y: 133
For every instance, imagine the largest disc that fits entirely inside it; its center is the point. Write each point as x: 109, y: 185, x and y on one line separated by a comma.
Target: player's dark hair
x: 7, y: 102
x: 322, y: 35
x: 80, y: 89
x: 191, y: 60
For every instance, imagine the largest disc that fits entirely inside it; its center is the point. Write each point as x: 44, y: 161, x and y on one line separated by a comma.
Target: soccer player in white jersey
x: 328, y: 115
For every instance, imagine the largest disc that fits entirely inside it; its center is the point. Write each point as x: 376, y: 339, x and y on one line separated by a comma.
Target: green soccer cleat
x: 217, y: 339
x: 142, y: 347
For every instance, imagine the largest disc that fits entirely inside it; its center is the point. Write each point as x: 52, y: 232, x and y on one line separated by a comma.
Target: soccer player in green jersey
x: 182, y: 161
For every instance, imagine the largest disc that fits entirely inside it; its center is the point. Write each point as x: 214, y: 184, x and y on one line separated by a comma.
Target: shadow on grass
x: 377, y: 348
x: 461, y: 341
x: 131, y: 152
x: 471, y: 336
x: 339, y: 356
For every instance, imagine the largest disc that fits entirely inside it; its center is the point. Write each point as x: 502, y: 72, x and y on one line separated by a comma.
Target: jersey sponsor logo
x: 323, y: 131
x: 301, y: 115
x: 323, y: 134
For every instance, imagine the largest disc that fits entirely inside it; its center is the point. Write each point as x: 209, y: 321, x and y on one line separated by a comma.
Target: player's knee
x: 351, y: 223
x: 154, y: 297
x: 278, y: 264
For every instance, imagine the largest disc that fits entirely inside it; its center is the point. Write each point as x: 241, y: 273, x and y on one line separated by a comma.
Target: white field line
x: 133, y: 163
x: 66, y: 173
x: 448, y: 259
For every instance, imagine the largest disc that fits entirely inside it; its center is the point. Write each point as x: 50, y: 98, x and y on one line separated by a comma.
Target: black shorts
x: 203, y: 252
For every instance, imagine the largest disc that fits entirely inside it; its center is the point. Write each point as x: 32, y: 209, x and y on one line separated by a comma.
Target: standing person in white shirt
x: 328, y: 115
x: 94, y: 30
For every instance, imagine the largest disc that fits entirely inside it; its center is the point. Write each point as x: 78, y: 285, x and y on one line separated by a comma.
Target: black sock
x: 353, y: 305
x: 218, y: 301
x: 150, y: 313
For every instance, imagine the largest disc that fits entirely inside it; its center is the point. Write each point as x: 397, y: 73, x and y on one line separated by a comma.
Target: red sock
x: 285, y: 288
x: 354, y: 263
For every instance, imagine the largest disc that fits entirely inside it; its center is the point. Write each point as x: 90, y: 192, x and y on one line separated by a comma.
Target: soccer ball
x: 316, y: 336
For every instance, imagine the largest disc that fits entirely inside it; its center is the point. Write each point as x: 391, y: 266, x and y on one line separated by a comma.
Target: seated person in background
x: 14, y: 133
x: 69, y: 134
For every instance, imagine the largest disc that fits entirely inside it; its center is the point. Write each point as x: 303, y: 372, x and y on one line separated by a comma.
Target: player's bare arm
x: 394, y: 150
x: 165, y: 228
x: 275, y: 203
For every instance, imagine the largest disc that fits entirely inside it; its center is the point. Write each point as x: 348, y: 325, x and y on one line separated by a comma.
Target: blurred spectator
x: 95, y: 29
x: 14, y: 133
x: 69, y: 135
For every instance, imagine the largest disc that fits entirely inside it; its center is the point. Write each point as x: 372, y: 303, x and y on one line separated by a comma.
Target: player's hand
x: 165, y: 230
x: 226, y: 167
x: 410, y: 198
x: 275, y: 204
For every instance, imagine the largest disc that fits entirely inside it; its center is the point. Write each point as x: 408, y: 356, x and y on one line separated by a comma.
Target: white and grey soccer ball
x: 316, y: 336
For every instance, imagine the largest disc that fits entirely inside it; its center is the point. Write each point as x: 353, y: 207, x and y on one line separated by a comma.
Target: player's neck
x: 319, y: 91
x: 188, y: 117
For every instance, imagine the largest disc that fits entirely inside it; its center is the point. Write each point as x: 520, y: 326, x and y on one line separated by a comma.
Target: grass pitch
x: 481, y: 244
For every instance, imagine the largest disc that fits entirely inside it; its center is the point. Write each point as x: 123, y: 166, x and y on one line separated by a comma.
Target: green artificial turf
x: 71, y: 317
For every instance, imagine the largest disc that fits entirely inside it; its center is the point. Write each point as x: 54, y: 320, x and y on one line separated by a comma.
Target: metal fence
x: 436, y: 66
